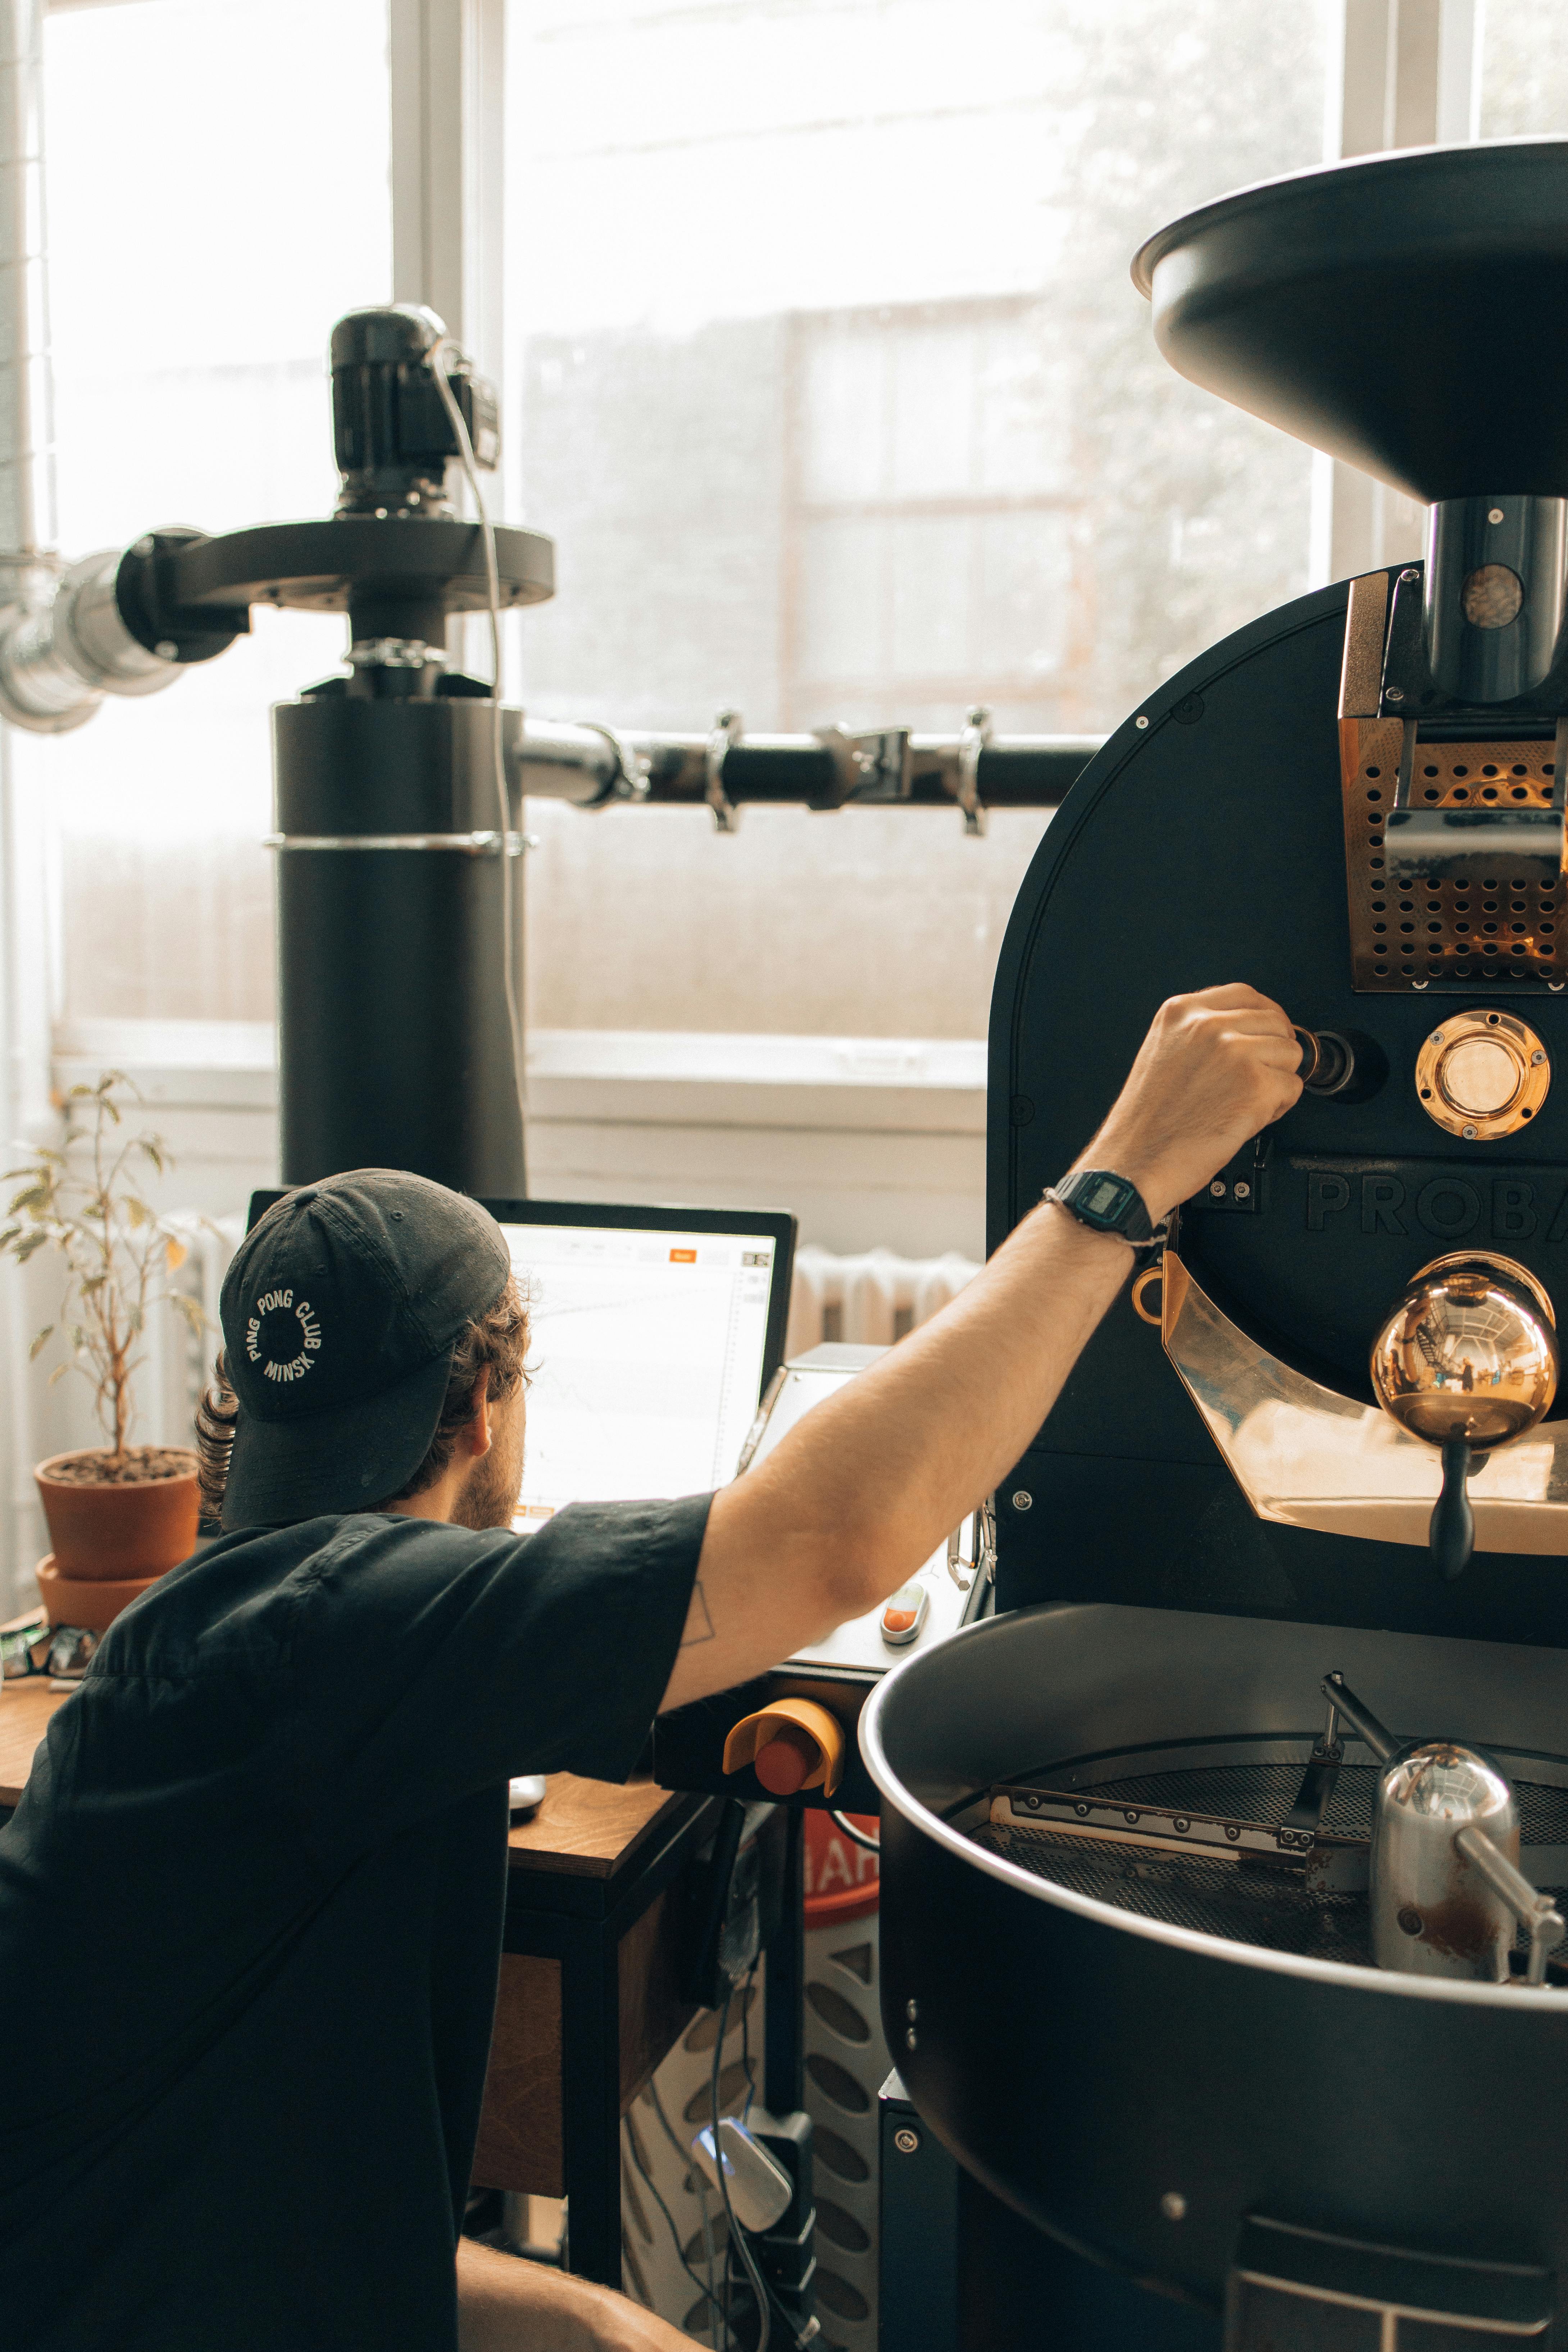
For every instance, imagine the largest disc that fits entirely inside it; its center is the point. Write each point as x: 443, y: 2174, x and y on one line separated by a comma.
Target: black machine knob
x: 1341, y: 1063
x: 1328, y: 1061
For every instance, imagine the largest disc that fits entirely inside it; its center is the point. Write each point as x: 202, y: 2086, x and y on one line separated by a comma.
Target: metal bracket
x: 634, y: 769
x: 727, y: 731
x: 466, y: 845
x: 873, y: 767
x: 975, y: 739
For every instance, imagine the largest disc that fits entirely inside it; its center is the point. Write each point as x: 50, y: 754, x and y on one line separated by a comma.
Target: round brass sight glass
x: 1469, y: 1351
x: 1482, y: 1074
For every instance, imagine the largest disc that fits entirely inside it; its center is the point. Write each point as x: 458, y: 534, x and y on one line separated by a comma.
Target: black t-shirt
x: 250, y: 1913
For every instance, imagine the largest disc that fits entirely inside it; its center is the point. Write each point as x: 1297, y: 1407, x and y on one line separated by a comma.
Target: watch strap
x: 1108, y: 1203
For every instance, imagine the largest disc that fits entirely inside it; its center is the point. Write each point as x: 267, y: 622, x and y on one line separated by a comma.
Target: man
x: 250, y: 1903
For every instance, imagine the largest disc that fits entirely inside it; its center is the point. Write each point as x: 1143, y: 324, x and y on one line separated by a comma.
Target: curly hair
x: 494, y: 1345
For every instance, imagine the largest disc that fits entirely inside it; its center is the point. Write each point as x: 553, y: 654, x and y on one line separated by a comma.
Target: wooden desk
x: 588, y: 2001
x: 25, y: 1707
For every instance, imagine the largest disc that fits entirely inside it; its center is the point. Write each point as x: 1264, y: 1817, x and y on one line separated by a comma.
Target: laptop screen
x: 653, y: 1333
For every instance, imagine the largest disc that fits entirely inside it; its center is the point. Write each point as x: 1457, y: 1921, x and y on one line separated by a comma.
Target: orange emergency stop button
x: 792, y: 1745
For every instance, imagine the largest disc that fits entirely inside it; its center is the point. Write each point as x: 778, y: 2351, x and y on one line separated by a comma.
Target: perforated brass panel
x: 1502, y: 931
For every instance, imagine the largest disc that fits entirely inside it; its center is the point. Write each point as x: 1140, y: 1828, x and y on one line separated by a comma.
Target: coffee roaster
x: 1263, y: 1976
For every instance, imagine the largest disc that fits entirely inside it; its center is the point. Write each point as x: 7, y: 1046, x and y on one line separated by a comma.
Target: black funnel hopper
x: 1406, y: 312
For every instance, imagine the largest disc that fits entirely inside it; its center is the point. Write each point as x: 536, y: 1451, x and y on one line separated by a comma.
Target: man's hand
x: 863, y: 1490
x: 1214, y: 1069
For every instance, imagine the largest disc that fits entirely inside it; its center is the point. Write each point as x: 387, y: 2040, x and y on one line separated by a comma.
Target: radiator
x: 178, y: 1360
x: 873, y: 1298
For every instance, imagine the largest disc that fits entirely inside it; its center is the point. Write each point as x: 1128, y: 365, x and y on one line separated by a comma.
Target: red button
x: 785, y: 1763
x: 897, y: 1620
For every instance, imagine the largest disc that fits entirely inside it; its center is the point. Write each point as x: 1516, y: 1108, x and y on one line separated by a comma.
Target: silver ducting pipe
x: 63, y: 642
x: 61, y: 652
x: 27, y: 397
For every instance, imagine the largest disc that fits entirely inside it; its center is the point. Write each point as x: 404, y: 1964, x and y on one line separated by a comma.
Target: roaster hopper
x: 1189, y: 2069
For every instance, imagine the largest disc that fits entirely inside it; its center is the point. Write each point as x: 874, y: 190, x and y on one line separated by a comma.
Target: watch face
x: 1106, y: 1199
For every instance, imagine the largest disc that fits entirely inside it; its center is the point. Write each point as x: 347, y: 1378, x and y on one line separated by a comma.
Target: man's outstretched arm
x: 867, y: 1485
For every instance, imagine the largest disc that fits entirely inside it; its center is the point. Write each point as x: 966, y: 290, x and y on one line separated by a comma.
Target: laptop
x: 654, y: 1332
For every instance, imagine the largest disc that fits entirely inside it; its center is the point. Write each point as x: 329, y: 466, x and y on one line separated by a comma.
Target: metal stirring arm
x: 1321, y: 1777
x: 1377, y: 1736
x: 1534, y: 1911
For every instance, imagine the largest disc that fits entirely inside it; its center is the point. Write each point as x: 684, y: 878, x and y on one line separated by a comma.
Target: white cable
x: 856, y: 1837
x: 455, y: 417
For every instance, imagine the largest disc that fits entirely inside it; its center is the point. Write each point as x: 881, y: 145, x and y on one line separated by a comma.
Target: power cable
x: 436, y: 355
x: 767, y: 2301
x: 701, y: 2188
x: 647, y: 2178
x: 842, y: 1823
x: 746, y: 2040
x: 764, y: 2308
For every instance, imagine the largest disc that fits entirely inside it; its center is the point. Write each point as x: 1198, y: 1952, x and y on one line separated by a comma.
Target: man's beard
x: 488, y: 1495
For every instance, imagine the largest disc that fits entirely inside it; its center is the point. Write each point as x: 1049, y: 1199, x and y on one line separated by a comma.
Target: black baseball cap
x: 342, y: 1310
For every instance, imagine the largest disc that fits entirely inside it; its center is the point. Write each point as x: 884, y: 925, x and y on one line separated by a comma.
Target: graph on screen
x: 646, y: 1355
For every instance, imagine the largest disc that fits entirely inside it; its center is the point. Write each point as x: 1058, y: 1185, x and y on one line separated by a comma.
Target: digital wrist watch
x: 1108, y: 1203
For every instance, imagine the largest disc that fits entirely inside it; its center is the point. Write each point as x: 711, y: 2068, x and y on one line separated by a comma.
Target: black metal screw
x: 1410, y: 1922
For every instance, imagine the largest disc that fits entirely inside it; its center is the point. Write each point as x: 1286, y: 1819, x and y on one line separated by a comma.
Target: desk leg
x: 784, y: 2030
x: 590, y: 2103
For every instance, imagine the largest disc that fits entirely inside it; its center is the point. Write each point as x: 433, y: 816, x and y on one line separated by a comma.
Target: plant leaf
x: 28, y: 1246
x: 174, y: 1254
x: 36, y: 1349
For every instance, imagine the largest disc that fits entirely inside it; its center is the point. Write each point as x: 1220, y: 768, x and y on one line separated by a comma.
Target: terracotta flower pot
x: 117, y: 1533
x: 92, y: 1603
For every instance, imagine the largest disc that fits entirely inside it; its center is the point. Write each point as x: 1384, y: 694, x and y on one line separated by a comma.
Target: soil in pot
x: 131, y: 1518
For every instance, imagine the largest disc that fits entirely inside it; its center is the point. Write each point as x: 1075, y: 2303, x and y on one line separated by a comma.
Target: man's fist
x: 1214, y: 1069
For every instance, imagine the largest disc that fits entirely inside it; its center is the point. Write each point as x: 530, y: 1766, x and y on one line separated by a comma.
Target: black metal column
x: 394, y: 1041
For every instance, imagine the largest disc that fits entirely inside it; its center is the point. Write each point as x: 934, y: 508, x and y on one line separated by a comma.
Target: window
x: 830, y: 383
x: 1524, y: 68
x: 216, y: 195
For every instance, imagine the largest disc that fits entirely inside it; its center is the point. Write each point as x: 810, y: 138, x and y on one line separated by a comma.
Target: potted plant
x: 119, y: 1514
